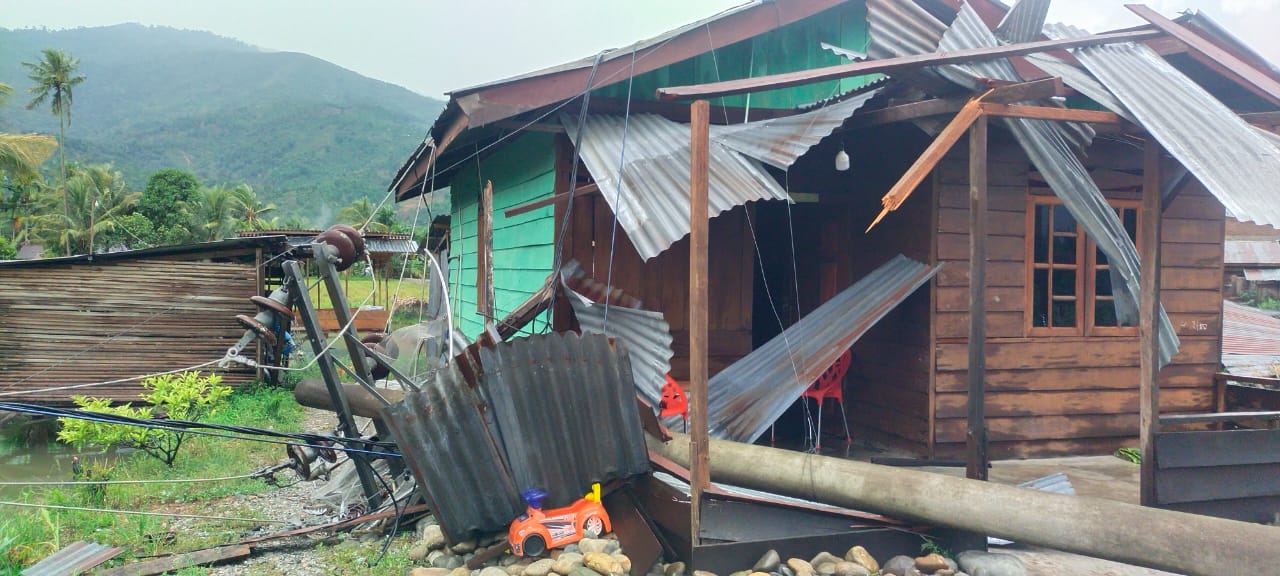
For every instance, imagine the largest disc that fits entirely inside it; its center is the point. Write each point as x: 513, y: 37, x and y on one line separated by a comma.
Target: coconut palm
x: 96, y: 197
x: 212, y: 213
x: 22, y: 154
x: 55, y: 80
x: 249, y: 209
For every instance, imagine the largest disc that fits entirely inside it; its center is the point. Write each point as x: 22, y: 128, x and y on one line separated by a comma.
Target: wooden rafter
x: 891, y: 65
x: 1049, y: 113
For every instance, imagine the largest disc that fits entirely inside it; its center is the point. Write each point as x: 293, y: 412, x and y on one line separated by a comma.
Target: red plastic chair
x: 831, y: 385
x: 674, y: 402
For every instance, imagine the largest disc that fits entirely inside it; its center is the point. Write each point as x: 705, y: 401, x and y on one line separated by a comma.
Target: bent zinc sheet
x: 649, y: 193
x: 1234, y: 162
x: 1047, y: 145
x: 779, y: 142
x: 646, y: 333
x: 748, y: 396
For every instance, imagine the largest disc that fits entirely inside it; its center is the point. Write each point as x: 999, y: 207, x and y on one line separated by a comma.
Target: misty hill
x: 300, y: 130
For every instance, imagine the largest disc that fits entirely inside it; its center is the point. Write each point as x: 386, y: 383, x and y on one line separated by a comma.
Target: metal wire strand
x: 140, y: 513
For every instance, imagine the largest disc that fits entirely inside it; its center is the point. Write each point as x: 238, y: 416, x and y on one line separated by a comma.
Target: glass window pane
x: 1131, y: 223
x: 1064, y: 282
x: 1040, y: 299
x: 1062, y: 220
x: 1102, y: 282
x: 1064, y: 313
x: 1042, y: 233
x: 1100, y: 258
x: 1064, y: 250
x: 1104, y: 313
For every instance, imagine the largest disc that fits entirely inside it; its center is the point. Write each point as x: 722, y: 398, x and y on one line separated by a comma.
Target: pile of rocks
x: 604, y: 557
x: 858, y: 562
x: 588, y: 557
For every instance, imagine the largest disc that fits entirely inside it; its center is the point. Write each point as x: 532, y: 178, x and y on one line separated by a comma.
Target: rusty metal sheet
x: 749, y: 395
x: 1256, y: 253
x: 1262, y: 274
x: 447, y: 444
x: 566, y: 412
x: 79, y: 556
x: 553, y: 411
x: 1249, y: 331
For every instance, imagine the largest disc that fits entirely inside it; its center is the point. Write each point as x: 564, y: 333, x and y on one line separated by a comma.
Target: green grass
x: 358, y: 288
x: 35, y: 533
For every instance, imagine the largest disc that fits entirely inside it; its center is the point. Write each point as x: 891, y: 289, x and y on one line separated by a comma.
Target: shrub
x: 185, y: 396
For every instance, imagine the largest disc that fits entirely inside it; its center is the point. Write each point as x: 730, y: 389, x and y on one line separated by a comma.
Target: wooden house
x: 1062, y: 367
x: 89, y: 324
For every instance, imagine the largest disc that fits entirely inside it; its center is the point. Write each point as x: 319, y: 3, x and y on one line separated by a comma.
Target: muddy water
x: 51, y: 462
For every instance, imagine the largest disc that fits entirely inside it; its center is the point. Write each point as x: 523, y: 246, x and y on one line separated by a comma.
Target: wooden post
x: 1149, y: 304
x: 700, y: 467
x: 484, y: 273
x: 976, y: 435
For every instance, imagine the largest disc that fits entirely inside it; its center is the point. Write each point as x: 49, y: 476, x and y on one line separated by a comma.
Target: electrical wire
x: 202, y: 429
x: 140, y: 513
x: 106, y: 382
x: 113, y: 482
x: 617, y: 199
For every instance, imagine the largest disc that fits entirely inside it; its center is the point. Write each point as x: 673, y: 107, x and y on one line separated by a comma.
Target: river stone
x: 845, y: 568
x: 785, y: 571
x: 800, y: 567
x: 464, y: 546
x: 622, y: 561
x: 573, y: 548
x: 703, y: 573
x: 981, y: 563
x: 428, y: 572
x: 826, y: 569
x: 584, y: 571
x: 931, y: 563
x: 491, y: 571
x: 517, y: 568
x: 897, y: 566
x: 435, y: 558
x: 567, y: 562
x: 612, y: 546
x: 823, y: 558
x: 452, y: 562
x: 433, y: 536
x: 418, y: 553
x: 673, y: 569
x: 589, y: 545
x: 760, y: 574
x: 913, y: 571
x: 539, y: 568
x: 462, y: 571
x: 602, y: 563
x: 741, y: 573
x: 768, y: 563
x: 861, y: 556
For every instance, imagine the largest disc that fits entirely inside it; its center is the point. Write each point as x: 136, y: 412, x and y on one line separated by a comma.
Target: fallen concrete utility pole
x: 1162, y: 539
x: 312, y: 393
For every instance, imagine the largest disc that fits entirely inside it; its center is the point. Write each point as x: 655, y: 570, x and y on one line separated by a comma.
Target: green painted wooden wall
x: 522, y: 170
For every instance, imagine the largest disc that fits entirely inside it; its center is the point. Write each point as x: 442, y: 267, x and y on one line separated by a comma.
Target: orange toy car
x: 539, y: 530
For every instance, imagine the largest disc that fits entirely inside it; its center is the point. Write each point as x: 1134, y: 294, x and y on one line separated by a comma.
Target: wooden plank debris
x: 180, y: 561
x: 699, y: 148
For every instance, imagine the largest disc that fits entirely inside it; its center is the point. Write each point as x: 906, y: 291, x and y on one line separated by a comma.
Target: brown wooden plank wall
x: 662, y: 283
x: 79, y: 323
x: 1066, y: 394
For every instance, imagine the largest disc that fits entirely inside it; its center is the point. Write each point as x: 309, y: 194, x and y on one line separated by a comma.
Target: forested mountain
x: 306, y: 134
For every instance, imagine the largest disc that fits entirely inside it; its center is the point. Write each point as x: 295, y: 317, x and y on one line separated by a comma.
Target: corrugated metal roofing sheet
x: 779, y: 142
x: 1023, y: 22
x: 554, y: 411
x: 646, y: 333
x: 1262, y: 275
x: 650, y: 194
x: 448, y: 446
x: 749, y: 395
x: 566, y: 412
x: 1045, y: 143
x: 1234, y: 162
x: 1251, y: 252
x: 1249, y: 331
x: 79, y: 556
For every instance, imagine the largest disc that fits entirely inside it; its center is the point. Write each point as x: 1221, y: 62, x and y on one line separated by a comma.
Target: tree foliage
x: 186, y: 396
x: 164, y: 196
x: 55, y: 81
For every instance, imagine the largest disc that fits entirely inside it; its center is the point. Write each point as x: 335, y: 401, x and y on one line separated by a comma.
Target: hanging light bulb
x: 842, y: 159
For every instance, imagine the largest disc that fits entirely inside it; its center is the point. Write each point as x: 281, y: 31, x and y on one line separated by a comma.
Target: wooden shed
x: 88, y: 324
x: 1062, y: 366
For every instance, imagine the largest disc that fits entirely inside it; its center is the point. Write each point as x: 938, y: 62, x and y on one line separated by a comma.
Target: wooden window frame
x: 1086, y: 268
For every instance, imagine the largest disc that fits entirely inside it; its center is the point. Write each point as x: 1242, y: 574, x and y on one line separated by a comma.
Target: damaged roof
x: 1262, y: 253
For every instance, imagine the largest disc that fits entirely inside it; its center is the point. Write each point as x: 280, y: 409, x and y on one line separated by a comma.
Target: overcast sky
x: 433, y: 46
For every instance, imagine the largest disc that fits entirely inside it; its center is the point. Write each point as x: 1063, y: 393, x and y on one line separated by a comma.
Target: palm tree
x: 96, y: 197
x: 249, y: 209
x: 55, y: 78
x: 22, y: 154
x: 362, y: 214
x: 212, y: 213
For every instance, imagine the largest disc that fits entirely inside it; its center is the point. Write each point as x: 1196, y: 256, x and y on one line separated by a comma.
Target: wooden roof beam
x: 1211, y: 55
x: 891, y: 65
